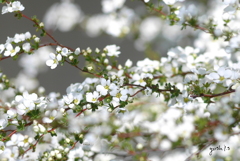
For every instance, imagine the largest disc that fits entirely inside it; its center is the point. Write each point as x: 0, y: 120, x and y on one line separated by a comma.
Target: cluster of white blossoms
x: 12, y: 7
x: 9, y: 50
x: 180, y: 106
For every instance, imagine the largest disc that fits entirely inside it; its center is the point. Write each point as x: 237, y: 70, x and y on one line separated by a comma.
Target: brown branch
x: 182, y: 74
x: 49, y: 44
x: 164, y: 14
x: 199, y: 151
x: 102, y: 98
x: 213, y: 95
x: 128, y: 135
x: 73, y: 146
x: 36, y: 23
x: 81, y: 112
x: 34, y: 145
x: 10, y: 135
x: 96, y: 75
x: 137, y: 92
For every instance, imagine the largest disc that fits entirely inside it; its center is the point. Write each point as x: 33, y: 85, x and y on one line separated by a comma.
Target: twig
x: 81, y: 112
x: 164, y: 14
x: 213, y: 95
x: 99, y: 76
x: 73, y: 145
x: 198, y: 152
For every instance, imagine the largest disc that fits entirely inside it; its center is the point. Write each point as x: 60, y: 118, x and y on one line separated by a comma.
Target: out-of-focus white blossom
x: 112, y: 50
x: 111, y: 5
x: 63, y: 16
x: 171, y: 2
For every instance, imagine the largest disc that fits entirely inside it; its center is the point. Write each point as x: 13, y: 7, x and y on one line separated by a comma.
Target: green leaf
x: 21, y: 125
x: 34, y: 114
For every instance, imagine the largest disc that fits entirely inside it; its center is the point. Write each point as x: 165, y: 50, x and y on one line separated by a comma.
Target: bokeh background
x: 60, y: 78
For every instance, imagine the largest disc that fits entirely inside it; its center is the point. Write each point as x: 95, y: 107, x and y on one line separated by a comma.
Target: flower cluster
x: 12, y: 7
x: 174, y: 107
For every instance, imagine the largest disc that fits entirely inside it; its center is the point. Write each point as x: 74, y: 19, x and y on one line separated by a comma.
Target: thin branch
x: 213, y: 95
x: 73, y: 146
x: 49, y: 44
x: 99, y: 76
x: 49, y: 35
x: 199, y: 151
x: 164, y: 14
x: 34, y: 145
x: 121, y: 154
x: 81, y: 112
x: 10, y: 135
x: 137, y: 92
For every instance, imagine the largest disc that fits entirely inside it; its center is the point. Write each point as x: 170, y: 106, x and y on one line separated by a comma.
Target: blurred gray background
x: 60, y: 78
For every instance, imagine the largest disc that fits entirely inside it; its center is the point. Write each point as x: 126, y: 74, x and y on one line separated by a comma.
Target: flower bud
x: 41, y: 25
x: 36, y: 129
x: 71, y: 57
x: 97, y: 50
x: 77, y: 51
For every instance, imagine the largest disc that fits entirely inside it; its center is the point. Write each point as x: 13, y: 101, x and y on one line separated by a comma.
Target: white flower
x: 25, y: 102
x: 165, y: 145
x: 186, y: 13
x: 19, y: 38
x: 27, y: 35
x: 2, y: 47
x: 77, y: 51
x: 148, y: 65
x: 139, y: 79
x: 112, y: 50
x: 74, y: 98
x: 37, y: 39
x: 148, y: 91
x: 15, y: 139
x: 128, y: 63
x: 171, y: 2
x: 111, y: 5
x: 26, y: 47
x: 58, y: 49
x: 104, y: 87
x: 75, y: 88
x: 11, y: 154
x: 11, y: 51
x: 200, y: 71
x: 53, y: 62
x: 92, y: 97
x: 11, y: 113
x: 50, y: 116
x: 121, y: 94
x: 17, y: 6
x: 5, y: 9
x: 229, y: 2
x: 63, y: 16
x: 221, y: 75
x: 2, y: 147
x: 3, y: 122
x: 26, y: 141
x: 11, y: 7
x: 65, y: 52
x: 183, y: 99
x: 39, y: 128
